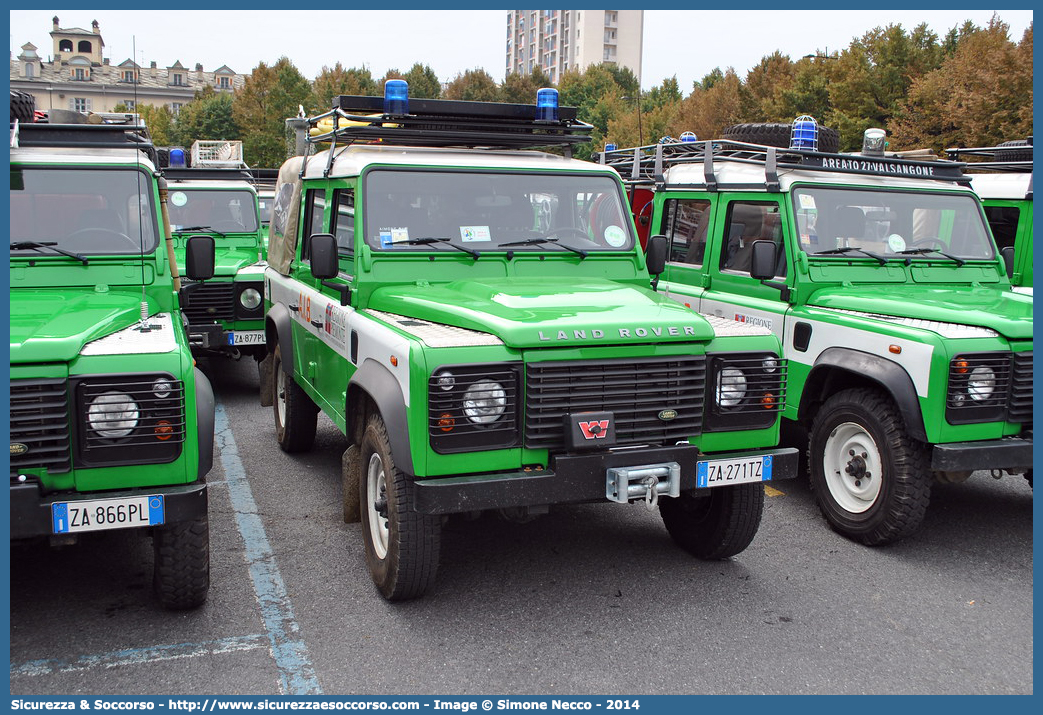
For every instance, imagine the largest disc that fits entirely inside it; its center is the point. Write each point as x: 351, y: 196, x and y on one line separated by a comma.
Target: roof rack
x: 206, y: 173
x: 94, y: 136
x: 447, y: 123
x: 647, y: 164
x: 992, y: 153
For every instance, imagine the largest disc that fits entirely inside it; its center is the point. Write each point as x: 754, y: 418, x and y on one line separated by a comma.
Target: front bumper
x: 1006, y: 453
x: 31, y: 510
x: 573, y: 478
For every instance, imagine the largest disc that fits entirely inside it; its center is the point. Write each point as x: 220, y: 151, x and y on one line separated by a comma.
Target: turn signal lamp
x: 396, y: 97
x: 805, y: 133
x: 961, y: 366
x: 768, y: 401
x: 547, y: 105
x: 446, y: 422
x: 164, y: 431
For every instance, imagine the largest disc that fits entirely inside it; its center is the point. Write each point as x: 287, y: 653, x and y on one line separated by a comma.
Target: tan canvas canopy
x: 282, y: 231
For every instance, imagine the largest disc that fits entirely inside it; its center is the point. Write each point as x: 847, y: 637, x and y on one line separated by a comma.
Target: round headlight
x: 981, y: 383
x: 770, y: 364
x: 162, y: 388
x: 731, y: 387
x: 113, y: 414
x: 250, y: 298
x: 484, y: 402
x: 445, y: 380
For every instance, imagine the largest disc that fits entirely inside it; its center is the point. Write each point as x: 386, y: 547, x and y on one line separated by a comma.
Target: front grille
x: 207, y: 302
x: 637, y: 392
x: 40, y: 426
x: 1019, y: 409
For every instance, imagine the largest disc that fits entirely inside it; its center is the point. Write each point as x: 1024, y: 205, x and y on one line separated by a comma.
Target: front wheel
x: 401, y: 544
x: 296, y: 416
x: 871, y: 479
x: 181, y: 576
x: 718, y: 525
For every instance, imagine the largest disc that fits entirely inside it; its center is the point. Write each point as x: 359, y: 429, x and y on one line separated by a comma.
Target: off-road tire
x: 295, y: 414
x: 401, y: 550
x: 885, y: 497
x: 778, y: 134
x: 717, y: 526
x: 181, y: 573
x: 23, y: 106
x: 1016, y: 150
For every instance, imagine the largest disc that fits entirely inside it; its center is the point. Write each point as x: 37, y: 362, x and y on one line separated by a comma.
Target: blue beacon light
x: 805, y: 133
x: 610, y: 147
x: 547, y: 105
x: 396, y: 97
x: 176, y: 159
x: 688, y: 137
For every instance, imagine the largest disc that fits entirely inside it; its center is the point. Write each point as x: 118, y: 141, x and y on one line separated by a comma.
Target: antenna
x: 143, y: 326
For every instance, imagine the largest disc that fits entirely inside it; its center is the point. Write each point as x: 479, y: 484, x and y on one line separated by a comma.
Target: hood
x: 53, y: 325
x: 1004, y: 311
x: 530, y: 313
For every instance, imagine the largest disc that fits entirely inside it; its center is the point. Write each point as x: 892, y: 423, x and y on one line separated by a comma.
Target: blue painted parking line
x: 135, y: 656
x: 297, y: 677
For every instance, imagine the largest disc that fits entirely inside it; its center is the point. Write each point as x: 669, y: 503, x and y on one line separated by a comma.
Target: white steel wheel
x: 853, y: 467
x: 280, y: 395
x: 377, y: 505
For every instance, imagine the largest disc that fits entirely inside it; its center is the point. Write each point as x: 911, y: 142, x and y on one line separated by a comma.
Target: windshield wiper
x: 448, y: 241
x: 848, y: 249
x: 186, y: 229
x: 922, y: 251
x: 534, y: 241
x: 37, y: 246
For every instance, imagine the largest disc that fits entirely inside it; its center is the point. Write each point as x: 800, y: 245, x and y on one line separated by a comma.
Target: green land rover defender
x: 477, y: 320
x: 910, y: 358
x: 112, y: 426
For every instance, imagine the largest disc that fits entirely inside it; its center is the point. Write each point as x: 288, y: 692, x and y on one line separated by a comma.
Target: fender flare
x: 204, y: 422
x: 377, y: 381
x: 891, y: 376
x: 278, y: 330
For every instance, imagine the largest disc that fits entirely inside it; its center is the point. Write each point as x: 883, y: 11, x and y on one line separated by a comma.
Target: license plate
x: 246, y: 337
x: 100, y: 514
x: 725, y: 472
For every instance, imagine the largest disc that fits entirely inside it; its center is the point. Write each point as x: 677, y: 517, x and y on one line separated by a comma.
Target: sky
x: 687, y: 44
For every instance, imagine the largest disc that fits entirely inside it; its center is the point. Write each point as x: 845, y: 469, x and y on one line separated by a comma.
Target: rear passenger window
x: 685, y: 224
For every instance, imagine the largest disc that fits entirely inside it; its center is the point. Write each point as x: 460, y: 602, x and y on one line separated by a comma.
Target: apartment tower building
x: 560, y: 40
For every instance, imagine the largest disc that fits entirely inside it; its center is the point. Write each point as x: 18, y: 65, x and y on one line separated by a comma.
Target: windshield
x: 85, y: 211
x: 495, y: 212
x: 890, y: 223
x: 223, y: 211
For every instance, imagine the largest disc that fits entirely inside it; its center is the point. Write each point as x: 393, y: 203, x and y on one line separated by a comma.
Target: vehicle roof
x: 1001, y: 186
x: 351, y: 161
x: 731, y: 172
x: 76, y: 155
x: 212, y: 185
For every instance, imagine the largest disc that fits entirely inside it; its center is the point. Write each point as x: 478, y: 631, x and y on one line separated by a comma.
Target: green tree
x: 708, y: 111
x: 760, y: 94
x: 475, y: 85
x: 521, y: 89
x: 207, y: 116
x: 664, y: 94
x: 159, y: 120
x: 597, y: 96
x: 267, y: 98
x: 335, y: 81
x: 423, y: 82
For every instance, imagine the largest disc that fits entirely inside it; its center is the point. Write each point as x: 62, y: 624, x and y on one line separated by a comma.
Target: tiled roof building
x: 79, y: 78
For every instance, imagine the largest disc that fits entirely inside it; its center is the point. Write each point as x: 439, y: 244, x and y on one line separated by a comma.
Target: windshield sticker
x: 807, y: 201
x: 615, y: 236
x: 470, y: 234
x: 896, y: 243
x: 179, y: 198
x: 391, y: 236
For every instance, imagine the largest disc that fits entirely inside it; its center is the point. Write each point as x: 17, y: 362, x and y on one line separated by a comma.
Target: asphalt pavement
x: 592, y: 599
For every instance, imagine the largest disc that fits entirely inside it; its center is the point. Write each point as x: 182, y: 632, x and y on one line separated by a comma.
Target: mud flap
x: 350, y: 471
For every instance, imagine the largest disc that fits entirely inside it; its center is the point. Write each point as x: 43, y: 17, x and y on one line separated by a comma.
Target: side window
x: 685, y: 223
x: 1004, y: 223
x: 342, y: 223
x: 748, y: 222
x: 314, y: 207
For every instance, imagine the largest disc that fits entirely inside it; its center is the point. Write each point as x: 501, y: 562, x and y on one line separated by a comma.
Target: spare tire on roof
x: 1014, y: 153
x: 778, y: 134
x: 23, y: 106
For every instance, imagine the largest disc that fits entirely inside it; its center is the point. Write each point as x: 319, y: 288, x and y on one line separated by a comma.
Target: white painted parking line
x: 136, y: 656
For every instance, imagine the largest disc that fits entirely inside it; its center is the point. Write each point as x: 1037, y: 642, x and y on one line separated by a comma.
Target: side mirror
x: 1007, y: 253
x: 655, y: 254
x: 199, y: 257
x: 762, y: 260
x: 322, y: 251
